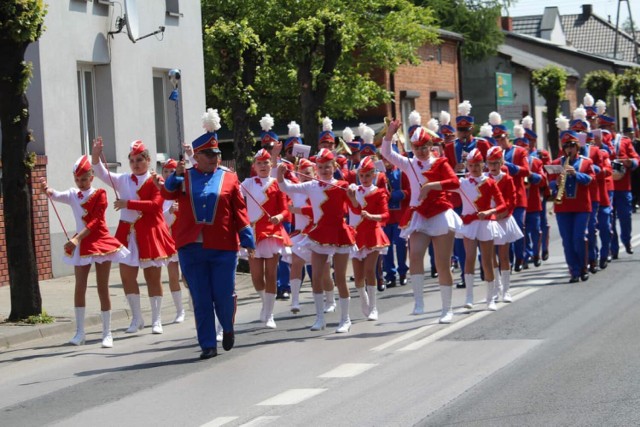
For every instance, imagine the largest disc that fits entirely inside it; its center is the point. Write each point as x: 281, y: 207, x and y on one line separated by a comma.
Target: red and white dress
x: 480, y: 194
x: 330, y: 234
x: 263, y: 194
x: 434, y: 216
x: 142, y: 228
x: 88, y: 210
x: 369, y: 234
x: 508, y: 224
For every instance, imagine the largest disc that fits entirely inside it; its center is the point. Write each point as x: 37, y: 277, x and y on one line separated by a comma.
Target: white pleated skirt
x: 437, y: 225
x: 511, y: 231
x: 482, y: 230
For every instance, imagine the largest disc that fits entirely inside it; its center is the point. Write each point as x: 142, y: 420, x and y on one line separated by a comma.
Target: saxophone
x: 562, y: 183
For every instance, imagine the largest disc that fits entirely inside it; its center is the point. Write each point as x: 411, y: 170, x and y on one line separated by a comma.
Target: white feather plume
x: 432, y: 125
x: 347, y: 135
x: 527, y: 122
x: 464, y: 109
x: 580, y: 114
x: 211, y: 120
x: 266, y: 123
x: 601, y: 106
x: 415, y: 119
x: 495, y: 118
x: 588, y: 100
x: 366, y: 133
x: 294, y: 130
x: 486, y: 130
x: 327, y: 124
x: 562, y: 123
x: 445, y: 117
x: 518, y: 131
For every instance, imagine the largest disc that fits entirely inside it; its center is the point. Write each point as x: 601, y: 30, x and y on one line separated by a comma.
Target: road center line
x: 292, y: 397
x: 402, y: 337
x: 260, y: 421
x: 348, y: 370
x: 220, y: 421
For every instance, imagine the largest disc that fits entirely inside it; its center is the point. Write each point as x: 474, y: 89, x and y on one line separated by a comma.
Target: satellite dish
x: 131, y: 19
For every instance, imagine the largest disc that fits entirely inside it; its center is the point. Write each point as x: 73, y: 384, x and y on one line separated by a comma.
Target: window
x: 173, y: 8
x: 160, y: 110
x: 87, y: 106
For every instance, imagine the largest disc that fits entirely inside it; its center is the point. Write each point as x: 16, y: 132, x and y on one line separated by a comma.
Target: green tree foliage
x: 319, y: 57
x: 628, y: 85
x: 551, y: 82
x: 21, y: 23
x: 477, y: 20
x: 599, y: 83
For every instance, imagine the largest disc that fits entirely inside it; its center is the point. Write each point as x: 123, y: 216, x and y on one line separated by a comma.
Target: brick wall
x: 40, y: 212
x: 571, y: 93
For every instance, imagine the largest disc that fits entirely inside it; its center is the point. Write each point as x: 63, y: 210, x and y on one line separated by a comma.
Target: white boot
x: 218, y: 331
x: 345, y: 320
x: 491, y: 303
x: 373, y: 312
x: 79, y: 337
x: 498, y: 279
x: 506, y: 284
x: 468, y: 280
x: 418, y: 296
x: 137, y: 323
x: 263, y: 315
x: 177, y: 301
x: 364, y: 300
x: 296, y: 284
x: 269, y: 303
x: 330, y: 302
x: 447, y: 312
x: 156, y: 314
x: 107, y: 338
x: 319, y: 324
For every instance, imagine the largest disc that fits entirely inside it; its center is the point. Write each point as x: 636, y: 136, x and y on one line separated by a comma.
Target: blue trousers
x: 400, y: 245
x: 458, y: 247
x: 518, y: 246
x: 622, y: 211
x: 532, y: 235
x: 604, y: 230
x: 210, y: 274
x: 573, y: 227
x: 544, y: 226
x: 284, y: 268
x: 592, y: 236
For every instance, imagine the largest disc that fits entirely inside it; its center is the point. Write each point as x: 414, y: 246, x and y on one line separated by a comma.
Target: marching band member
x: 624, y: 160
x: 447, y: 131
x: 516, y: 161
x: 573, y: 201
x: 430, y: 217
x: 354, y: 146
x: 91, y: 243
x: 495, y: 163
x: 535, y: 181
x: 370, y: 210
x: 481, y: 201
x: 170, y: 212
x: 141, y: 229
x: 267, y: 208
x: 213, y: 222
x: 330, y: 236
x: 605, y: 181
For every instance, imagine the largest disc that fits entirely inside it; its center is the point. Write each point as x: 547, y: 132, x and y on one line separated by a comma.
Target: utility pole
x: 633, y: 32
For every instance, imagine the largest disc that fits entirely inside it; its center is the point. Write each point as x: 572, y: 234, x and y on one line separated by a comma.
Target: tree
x: 599, y: 83
x: 551, y: 82
x: 21, y: 23
x: 628, y: 85
x: 477, y: 20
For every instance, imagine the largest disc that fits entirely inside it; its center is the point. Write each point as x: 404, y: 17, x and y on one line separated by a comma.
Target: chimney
x: 507, y: 23
x: 587, y: 10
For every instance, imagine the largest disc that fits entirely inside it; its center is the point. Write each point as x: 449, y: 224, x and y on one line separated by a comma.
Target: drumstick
x: 315, y: 179
x: 254, y: 199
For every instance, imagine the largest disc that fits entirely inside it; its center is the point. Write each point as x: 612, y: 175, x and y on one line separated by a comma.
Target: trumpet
x: 343, y: 148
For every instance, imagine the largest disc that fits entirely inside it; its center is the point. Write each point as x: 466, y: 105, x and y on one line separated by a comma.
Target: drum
x: 618, y: 170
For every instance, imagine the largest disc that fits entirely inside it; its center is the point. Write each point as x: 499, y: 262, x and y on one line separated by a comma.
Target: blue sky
x: 602, y: 8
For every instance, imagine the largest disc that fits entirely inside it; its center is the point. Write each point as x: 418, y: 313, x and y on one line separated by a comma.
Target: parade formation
x: 375, y: 202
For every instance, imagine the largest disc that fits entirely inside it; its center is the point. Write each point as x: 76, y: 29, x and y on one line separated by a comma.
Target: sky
x: 602, y: 8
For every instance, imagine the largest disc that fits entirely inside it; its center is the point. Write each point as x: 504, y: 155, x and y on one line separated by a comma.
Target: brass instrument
x: 562, y: 183
x: 342, y: 147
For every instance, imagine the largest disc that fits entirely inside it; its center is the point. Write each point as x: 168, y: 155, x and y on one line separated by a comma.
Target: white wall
x: 77, y: 32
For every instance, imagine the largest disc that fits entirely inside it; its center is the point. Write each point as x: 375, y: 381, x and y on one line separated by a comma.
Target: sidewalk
x: 57, y: 301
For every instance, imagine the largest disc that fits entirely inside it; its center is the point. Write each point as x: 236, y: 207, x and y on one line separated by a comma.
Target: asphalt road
x: 559, y: 354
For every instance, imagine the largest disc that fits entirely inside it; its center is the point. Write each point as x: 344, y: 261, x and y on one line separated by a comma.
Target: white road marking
x: 635, y: 240
x: 292, y: 397
x: 260, y: 421
x: 461, y: 324
x: 220, y: 421
x: 348, y: 370
x: 402, y: 337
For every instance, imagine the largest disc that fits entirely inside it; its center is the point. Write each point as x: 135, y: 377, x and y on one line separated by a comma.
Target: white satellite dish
x: 131, y: 19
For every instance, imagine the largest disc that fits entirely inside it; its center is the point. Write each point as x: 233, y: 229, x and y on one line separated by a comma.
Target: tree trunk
x: 14, y: 117
x: 309, y: 106
x: 242, y: 140
x: 552, y: 134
